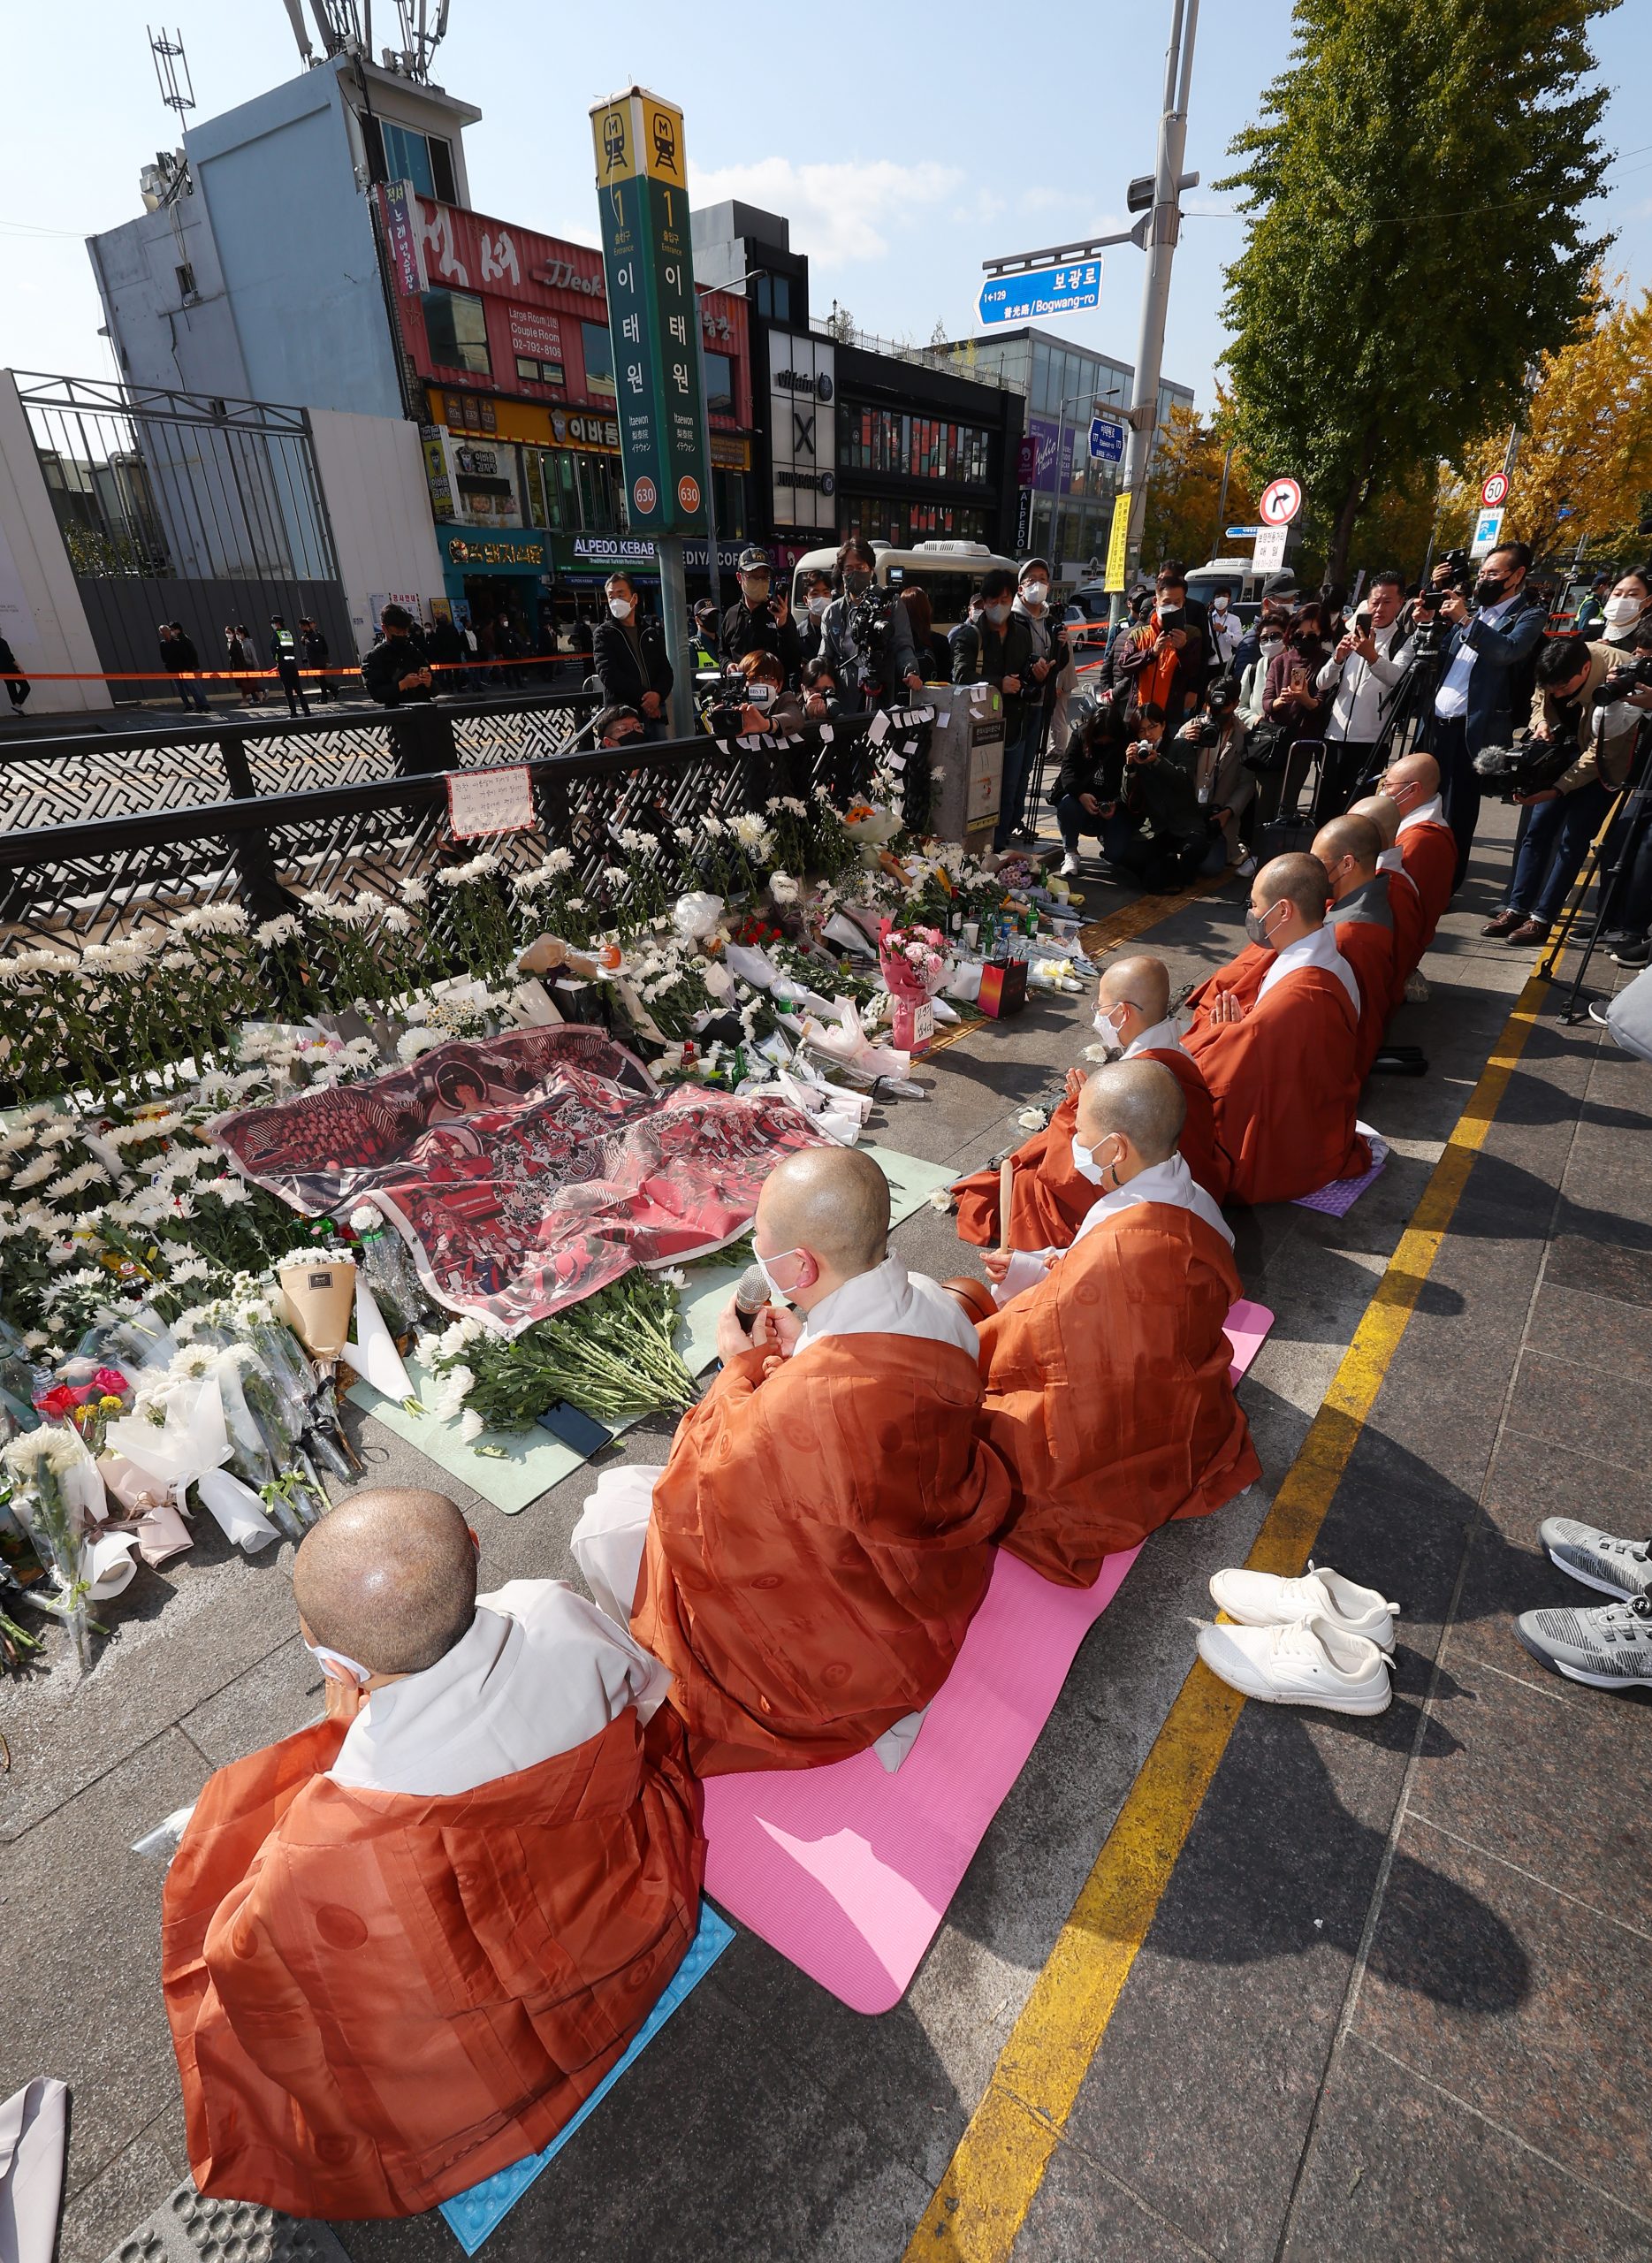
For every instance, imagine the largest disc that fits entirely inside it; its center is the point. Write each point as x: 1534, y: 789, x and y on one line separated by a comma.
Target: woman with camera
x: 1090, y: 782
x: 1558, y: 823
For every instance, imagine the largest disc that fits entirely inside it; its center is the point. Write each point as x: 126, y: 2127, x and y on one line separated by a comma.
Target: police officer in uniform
x: 283, y: 655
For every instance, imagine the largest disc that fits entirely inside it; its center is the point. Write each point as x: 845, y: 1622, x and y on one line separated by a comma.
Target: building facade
x: 1069, y: 496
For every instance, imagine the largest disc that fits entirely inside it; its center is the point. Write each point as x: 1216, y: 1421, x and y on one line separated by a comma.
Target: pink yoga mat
x: 848, y: 1870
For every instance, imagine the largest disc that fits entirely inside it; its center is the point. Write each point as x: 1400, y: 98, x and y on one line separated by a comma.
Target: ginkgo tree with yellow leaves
x: 1583, y: 458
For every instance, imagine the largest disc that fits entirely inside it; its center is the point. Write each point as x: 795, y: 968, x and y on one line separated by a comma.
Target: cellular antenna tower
x: 171, y: 70
x: 346, y: 27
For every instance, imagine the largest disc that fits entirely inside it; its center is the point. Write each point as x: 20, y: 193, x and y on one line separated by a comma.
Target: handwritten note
x: 490, y: 801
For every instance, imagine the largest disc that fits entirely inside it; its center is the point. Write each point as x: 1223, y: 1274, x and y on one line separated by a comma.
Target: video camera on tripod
x: 869, y: 618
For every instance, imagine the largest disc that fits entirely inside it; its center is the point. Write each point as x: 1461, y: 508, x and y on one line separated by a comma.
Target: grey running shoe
x: 1600, y: 1559
x: 1608, y: 1649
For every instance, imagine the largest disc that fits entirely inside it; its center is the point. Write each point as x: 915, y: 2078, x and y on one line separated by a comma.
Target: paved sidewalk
x: 1227, y: 2109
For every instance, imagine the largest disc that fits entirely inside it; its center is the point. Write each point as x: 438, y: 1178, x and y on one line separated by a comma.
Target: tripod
x: 1633, y: 805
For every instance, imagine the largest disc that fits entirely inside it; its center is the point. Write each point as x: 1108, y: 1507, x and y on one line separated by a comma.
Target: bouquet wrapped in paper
x: 56, y: 1497
x: 264, y: 1443
x: 177, y: 1435
x: 387, y: 1267
x: 319, y: 1287
x: 913, y: 962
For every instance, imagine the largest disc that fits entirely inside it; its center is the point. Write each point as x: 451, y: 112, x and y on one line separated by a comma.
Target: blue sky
x: 905, y: 146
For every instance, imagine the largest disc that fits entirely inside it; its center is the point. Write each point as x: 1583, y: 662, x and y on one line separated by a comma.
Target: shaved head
x: 1144, y: 981
x: 832, y: 1201
x: 1416, y: 776
x: 1140, y: 1098
x: 1381, y: 813
x: 389, y: 1579
x: 1349, y: 836
x: 1295, y: 879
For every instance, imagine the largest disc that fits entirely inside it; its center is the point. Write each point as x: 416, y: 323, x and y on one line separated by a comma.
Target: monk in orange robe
x: 1275, y: 1037
x: 1052, y: 1191
x: 402, y: 1948
x: 1403, y: 903
x: 1107, y: 1390
x: 814, y: 1550
x: 1348, y: 847
x: 1426, y: 845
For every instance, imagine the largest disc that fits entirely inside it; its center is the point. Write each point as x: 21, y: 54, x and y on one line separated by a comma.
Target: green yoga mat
x: 527, y: 1463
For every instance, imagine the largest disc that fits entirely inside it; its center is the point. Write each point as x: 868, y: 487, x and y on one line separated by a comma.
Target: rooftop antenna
x: 337, y: 21
x: 171, y: 64
x: 420, y: 36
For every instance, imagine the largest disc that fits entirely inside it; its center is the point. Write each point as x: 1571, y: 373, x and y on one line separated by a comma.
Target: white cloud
x: 841, y: 212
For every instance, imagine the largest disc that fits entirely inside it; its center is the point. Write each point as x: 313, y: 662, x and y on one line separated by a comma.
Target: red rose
x: 58, y: 1402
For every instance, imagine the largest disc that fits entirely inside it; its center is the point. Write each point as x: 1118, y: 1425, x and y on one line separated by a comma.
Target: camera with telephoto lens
x: 1618, y: 685
x: 1204, y: 730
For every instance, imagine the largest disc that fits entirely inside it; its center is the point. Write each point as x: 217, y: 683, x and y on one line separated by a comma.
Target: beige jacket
x: 1621, y: 724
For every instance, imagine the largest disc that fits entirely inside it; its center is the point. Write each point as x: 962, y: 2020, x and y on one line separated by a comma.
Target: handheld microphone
x: 751, y: 1293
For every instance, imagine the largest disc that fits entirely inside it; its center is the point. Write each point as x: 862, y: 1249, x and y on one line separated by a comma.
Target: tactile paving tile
x: 185, y: 2228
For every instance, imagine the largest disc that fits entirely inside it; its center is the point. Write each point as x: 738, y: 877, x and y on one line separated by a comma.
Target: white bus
x: 948, y: 574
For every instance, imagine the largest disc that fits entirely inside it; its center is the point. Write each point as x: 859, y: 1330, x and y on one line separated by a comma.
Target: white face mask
x: 1221, y: 602
x: 1086, y: 1164
x: 817, y: 605
x: 762, y: 1265
x: 1034, y: 594
x: 351, y: 1669
x: 1108, y: 1030
x: 621, y: 608
x: 1621, y: 611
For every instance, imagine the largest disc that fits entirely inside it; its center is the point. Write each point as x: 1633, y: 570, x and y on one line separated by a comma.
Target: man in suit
x: 628, y: 659
x: 1487, y: 663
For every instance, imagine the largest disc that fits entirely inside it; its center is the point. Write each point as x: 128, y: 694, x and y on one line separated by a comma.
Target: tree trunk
x: 1353, y: 503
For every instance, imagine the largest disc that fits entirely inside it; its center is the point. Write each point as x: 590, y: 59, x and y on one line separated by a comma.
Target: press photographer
x: 761, y: 620
x: 1222, y: 785
x: 1587, y: 706
x: 866, y: 637
x: 1485, y: 659
x: 1158, y: 833
x: 1090, y: 782
x: 1363, y: 669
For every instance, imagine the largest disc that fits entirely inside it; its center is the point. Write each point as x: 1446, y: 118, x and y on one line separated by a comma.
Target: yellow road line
x: 981, y: 2203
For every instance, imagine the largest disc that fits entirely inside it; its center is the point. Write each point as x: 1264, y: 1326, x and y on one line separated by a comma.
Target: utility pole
x: 1164, y: 227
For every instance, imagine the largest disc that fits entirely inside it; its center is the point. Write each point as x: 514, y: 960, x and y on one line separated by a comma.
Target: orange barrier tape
x: 259, y: 675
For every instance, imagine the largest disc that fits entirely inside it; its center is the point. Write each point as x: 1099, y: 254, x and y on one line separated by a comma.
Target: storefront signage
x: 518, y: 554
x: 402, y: 228
x: 803, y: 429
x: 648, y: 261
x: 536, y: 332
x: 481, y: 462
x: 526, y: 421
x: 637, y: 550
x: 559, y: 275
x: 435, y: 471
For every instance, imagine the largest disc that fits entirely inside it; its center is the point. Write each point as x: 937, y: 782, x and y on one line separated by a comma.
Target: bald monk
x: 1348, y: 847
x: 400, y: 1948
x: 1052, y: 1188
x: 813, y: 1550
x: 1403, y: 903
x: 1426, y: 845
x: 1277, y: 1044
x: 1107, y: 1390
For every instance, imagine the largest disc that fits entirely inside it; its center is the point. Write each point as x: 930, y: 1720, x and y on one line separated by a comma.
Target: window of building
x: 539, y: 373
x: 186, y: 274
x: 921, y: 447
x: 456, y: 330
x: 598, y: 361
x: 774, y: 297
x: 719, y: 385
x: 425, y: 159
x: 729, y: 491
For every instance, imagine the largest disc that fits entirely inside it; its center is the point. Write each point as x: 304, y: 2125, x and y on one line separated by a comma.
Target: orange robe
x: 377, y: 1999
x: 1409, y: 939
x: 1286, y: 1085
x: 818, y: 1542
x: 1428, y: 852
x: 1052, y: 1196
x: 1242, y: 976
x: 1369, y: 949
x: 1108, y: 1390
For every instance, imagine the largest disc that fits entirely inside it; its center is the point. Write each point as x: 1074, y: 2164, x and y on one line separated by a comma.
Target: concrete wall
x: 42, y: 617
x: 160, y: 336
x: 295, y: 245
x: 372, y: 474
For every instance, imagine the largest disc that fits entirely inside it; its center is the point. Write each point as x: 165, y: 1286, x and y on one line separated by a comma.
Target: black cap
x: 609, y: 716
x: 1280, y: 586
x: 753, y: 560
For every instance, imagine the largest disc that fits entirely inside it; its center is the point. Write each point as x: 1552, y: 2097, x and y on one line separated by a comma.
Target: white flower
x: 33, y: 1174
x: 396, y: 921
x: 415, y: 893
x: 59, y: 1132
x: 684, y: 833
x: 558, y: 860
x: 615, y: 875
x: 35, y: 1339
x: 284, y: 928
x: 412, y: 1042
x: 578, y: 903
x: 941, y: 1200
x: 211, y: 919
x: 73, y: 1182
x: 317, y: 1254
x: 364, y: 1219
x: 747, y: 829
x: 193, y: 1268
x: 1031, y: 1119
x: 58, y: 1447
x: 471, y: 1426
x: 713, y: 828
x: 784, y: 888
x: 790, y: 803
x: 674, y: 1277
x: 230, y: 1192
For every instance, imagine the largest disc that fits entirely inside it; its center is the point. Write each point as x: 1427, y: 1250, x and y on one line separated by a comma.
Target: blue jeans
x: 1552, y: 847
x: 1074, y: 819
x: 1021, y: 736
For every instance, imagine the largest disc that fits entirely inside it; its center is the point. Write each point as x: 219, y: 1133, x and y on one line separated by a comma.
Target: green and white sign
x: 648, y: 261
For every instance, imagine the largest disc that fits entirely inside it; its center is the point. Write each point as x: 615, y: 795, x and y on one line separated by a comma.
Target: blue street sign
x: 1107, y: 440
x: 1047, y: 291
x: 1237, y: 534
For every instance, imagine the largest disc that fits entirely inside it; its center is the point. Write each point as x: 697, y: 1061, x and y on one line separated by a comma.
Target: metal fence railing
x: 66, y: 779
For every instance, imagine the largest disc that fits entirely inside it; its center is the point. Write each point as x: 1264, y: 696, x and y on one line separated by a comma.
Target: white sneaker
x: 1263, y: 1599
x: 1310, y: 1663
x: 1069, y: 867
x: 1245, y: 869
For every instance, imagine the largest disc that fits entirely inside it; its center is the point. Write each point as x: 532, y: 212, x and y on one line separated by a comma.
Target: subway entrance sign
x: 653, y: 315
